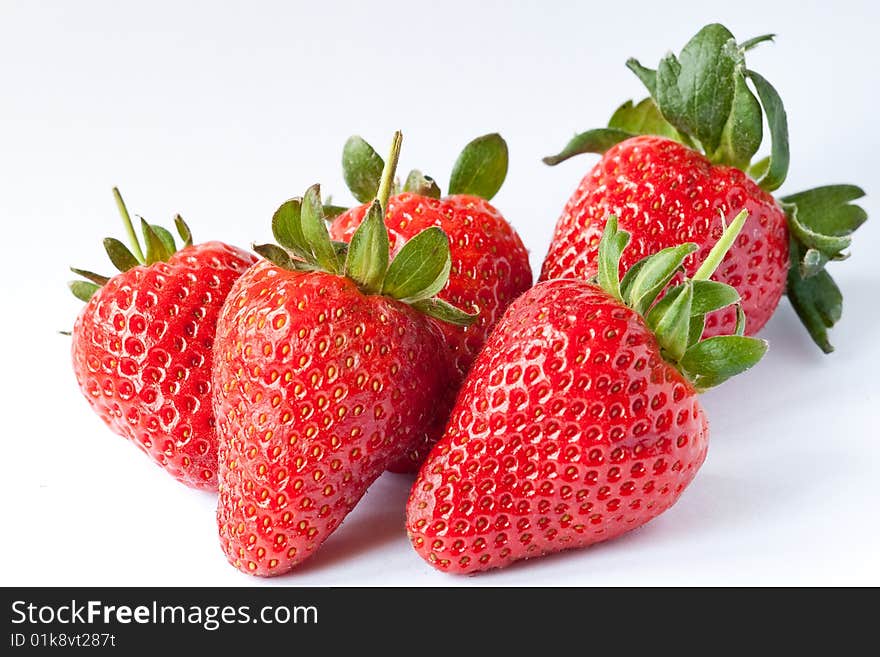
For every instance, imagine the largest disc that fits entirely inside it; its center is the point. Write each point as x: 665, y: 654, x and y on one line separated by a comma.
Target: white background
x: 222, y: 110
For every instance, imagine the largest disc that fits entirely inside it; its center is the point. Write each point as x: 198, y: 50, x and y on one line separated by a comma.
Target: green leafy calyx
x: 480, y: 170
x: 481, y: 167
x: 708, y: 99
x: 416, y: 274
x: 821, y: 222
x: 159, y: 245
x: 677, y: 318
x: 362, y: 168
x: 703, y: 98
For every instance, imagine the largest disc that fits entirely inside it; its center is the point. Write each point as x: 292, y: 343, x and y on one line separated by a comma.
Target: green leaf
x: 91, y: 276
x: 707, y: 297
x: 83, y: 290
x: 646, y: 75
x: 184, y: 231
x: 481, y: 167
x: 655, y: 274
x: 751, y: 43
x: 446, y: 312
x: 361, y: 168
x: 659, y: 309
x: 695, y: 91
x: 611, y: 246
x: 759, y: 168
x: 341, y: 249
x: 672, y: 326
x: 367, y: 258
x: 743, y: 130
x: 714, y: 360
x: 597, y: 140
x: 166, y: 238
x: 627, y: 281
x: 669, y: 98
x: 778, y: 124
x: 157, y: 249
x: 276, y: 255
x: 119, y: 254
x: 287, y: 228
x: 643, y: 119
x: 712, y: 295
x: 315, y: 233
x: 695, y: 331
x: 816, y: 300
x: 419, y: 183
x: 829, y: 245
x: 827, y: 209
x: 333, y: 211
x: 421, y: 268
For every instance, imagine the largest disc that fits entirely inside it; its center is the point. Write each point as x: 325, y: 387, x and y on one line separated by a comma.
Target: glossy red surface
x: 570, y: 429
x: 318, y: 388
x: 142, y: 352
x: 490, y: 268
x: 665, y: 194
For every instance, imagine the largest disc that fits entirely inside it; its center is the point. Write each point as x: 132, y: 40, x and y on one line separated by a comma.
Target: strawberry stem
x: 386, y: 182
x: 129, y: 227
x: 722, y: 246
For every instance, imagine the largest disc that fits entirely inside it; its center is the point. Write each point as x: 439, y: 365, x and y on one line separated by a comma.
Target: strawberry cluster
x: 405, y: 334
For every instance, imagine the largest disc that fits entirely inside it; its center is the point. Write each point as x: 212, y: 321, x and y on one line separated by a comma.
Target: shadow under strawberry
x: 371, y: 527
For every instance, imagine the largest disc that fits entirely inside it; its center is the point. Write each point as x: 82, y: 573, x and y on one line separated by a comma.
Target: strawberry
x: 579, y: 419
x: 328, y: 368
x: 667, y: 177
x: 490, y: 265
x: 142, y: 345
x: 676, y: 165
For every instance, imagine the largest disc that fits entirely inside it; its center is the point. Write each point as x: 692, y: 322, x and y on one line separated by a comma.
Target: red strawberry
x: 142, y: 346
x: 665, y: 192
x: 327, y: 371
x: 579, y: 419
x: 490, y: 265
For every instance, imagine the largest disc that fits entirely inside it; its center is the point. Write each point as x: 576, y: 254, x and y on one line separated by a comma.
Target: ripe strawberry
x: 665, y: 192
x: 579, y: 419
x: 327, y: 371
x: 490, y: 265
x: 142, y: 346
x: 650, y: 182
